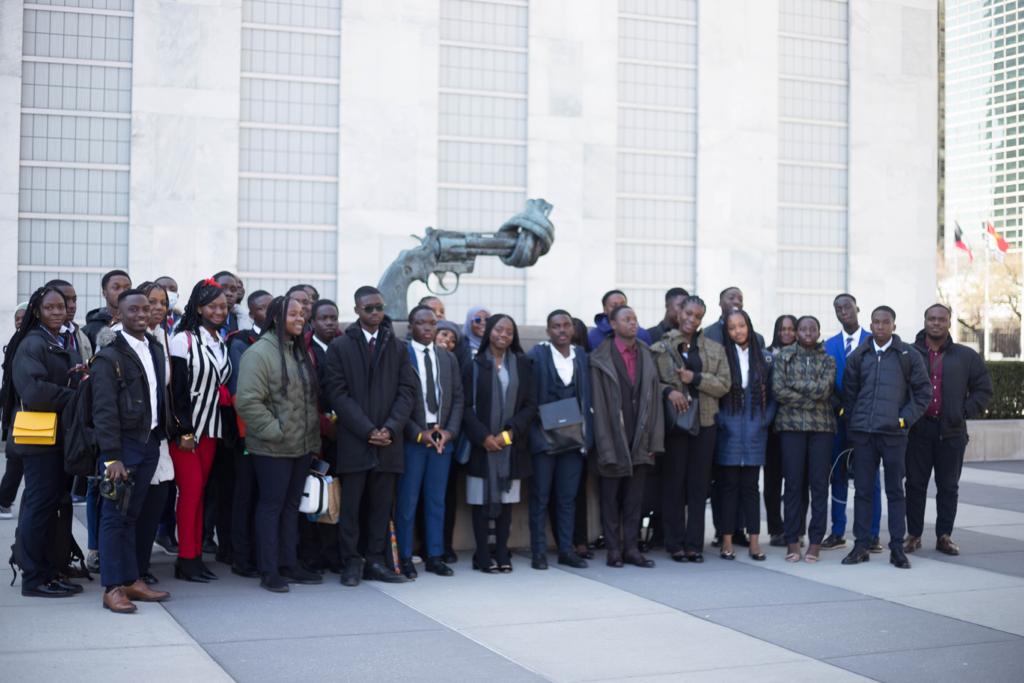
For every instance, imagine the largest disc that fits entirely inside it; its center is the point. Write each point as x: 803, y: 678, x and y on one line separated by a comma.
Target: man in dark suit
x: 429, y: 442
x: 129, y: 381
x: 370, y: 386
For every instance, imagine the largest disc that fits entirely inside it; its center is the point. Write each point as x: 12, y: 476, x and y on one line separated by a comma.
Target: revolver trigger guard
x: 441, y: 287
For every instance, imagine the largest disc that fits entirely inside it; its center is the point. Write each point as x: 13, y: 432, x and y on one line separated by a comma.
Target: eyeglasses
x: 372, y: 308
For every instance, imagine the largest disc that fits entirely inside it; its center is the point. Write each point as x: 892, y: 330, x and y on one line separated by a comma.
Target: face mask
x: 172, y: 300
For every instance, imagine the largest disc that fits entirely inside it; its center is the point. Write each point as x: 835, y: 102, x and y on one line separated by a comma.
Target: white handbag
x: 315, y: 495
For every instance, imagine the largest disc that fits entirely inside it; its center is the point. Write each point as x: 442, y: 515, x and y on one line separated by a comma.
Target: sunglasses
x: 479, y: 320
x: 373, y: 308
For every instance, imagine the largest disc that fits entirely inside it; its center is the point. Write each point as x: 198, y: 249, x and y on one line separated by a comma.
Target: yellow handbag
x: 35, y: 429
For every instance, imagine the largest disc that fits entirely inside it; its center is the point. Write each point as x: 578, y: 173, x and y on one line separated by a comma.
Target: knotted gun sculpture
x: 519, y: 242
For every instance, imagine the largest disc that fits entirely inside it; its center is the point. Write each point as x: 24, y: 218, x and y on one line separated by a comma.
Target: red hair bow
x: 213, y: 283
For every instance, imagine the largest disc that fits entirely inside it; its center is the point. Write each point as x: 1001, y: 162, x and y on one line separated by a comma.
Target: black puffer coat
x: 878, y: 391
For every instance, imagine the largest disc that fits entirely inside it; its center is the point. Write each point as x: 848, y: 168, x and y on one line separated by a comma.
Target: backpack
x: 63, y: 551
x: 80, y: 448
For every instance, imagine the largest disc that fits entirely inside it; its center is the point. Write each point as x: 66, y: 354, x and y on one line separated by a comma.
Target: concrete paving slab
x: 1010, y: 563
x: 1003, y: 531
x: 825, y: 631
x: 426, y: 655
x: 993, y: 477
x: 807, y: 671
x: 152, y: 663
x: 969, y: 515
x: 989, y: 662
x: 971, y: 542
x: 978, y: 606
x: 1015, y: 466
x: 987, y: 495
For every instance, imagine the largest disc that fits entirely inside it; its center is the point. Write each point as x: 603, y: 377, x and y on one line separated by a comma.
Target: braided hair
x: 277, y: 317
x: 204, y: 293
x: 757, y: 372
x: 776, y: 338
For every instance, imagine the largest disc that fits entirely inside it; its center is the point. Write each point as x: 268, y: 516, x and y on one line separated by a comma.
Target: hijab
x: 467, y: 330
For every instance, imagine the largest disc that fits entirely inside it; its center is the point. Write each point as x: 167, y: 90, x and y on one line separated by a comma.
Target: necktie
x: 849, y: 345
x: 373, y: 347
x: 879, y: 353
x: 428, y: 367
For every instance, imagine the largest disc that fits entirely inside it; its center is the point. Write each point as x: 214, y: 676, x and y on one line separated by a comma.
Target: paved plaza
x: 947, y: 619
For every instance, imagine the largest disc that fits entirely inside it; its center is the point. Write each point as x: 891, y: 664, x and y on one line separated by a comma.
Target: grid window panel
x: 656, y: 219
x: 484, y: 22
x: 87, y: 286
x: 824, y: 18
x: 302, y: 13
x: 482, y: 116
x: 808, y: 142
x: 661, y: 86
x: 657, y: 175
x: 482, y: 163
x: 657, y: 41
x: 57, y: 243
x: 812, y: 58
x: 820, y: 101
x: 825, y: 271
x: 74, y: 191
x: 811, y: 185
x: 283, y: 102
x: 470, y: 68
x: 671, y: 9
x: 291, y: 54
x: 807, y: 303
x: 80, y: 139
x: 477, y: 210
x: 812, y: 227
x: 278, y: 286
x: 287, y: 201
x: 70, y: 35
x: 287, y: 251
x: 292, y: 152
x: 654, y: 263
x: 658, y: 130
x: 119, y: 5
x: 71, y: 86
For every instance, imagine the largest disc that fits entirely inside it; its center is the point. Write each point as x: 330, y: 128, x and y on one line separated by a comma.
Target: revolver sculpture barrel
x: 519, y: 242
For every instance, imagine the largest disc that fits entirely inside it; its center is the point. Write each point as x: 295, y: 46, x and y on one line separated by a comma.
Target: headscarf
x: 467, y: 329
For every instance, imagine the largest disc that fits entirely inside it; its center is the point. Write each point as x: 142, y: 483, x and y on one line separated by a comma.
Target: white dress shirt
x: 369, y: 337
x: 744, y: 357
x: 851, y: 341
x: 564, y: 366
x: 322, y: 345
x: 879, y: 349
x: 141, y: 349
x: 418, y: 349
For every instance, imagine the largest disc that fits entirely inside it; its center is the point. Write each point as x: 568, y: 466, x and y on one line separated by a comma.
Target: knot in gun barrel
x: 532, y: 231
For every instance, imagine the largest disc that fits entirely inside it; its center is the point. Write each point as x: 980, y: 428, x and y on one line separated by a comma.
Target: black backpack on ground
x: 64, y: 553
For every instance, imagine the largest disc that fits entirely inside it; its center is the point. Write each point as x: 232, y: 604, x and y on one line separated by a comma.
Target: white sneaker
x: 5, y: 513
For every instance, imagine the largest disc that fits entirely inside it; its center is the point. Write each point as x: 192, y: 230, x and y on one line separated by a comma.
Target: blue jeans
x: 426, y: 470
x: 840, y: 487
x: 554, y: 476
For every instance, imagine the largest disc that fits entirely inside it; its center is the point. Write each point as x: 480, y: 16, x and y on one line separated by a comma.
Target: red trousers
x: 191, y: 471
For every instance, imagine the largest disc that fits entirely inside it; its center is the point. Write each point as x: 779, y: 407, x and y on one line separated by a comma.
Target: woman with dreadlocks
x: 803, y: 382
x: 744, y: 417
x: 277, y: 399
x: 41, y: 374
x: 199, y: 374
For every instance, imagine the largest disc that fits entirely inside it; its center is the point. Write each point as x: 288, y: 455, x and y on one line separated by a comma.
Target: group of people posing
x: 208, y: 421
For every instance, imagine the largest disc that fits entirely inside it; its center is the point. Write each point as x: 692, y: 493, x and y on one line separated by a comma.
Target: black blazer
x: 368, y: 394
x: 122, y: 409
x: 452, y: 404
x: 475, y: 419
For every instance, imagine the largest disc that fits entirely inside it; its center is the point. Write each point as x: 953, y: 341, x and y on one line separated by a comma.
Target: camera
x: 117, y: 492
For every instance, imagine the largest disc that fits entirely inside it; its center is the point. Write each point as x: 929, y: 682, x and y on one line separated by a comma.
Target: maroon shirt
x: 935, y: 373
x: 629, y: 357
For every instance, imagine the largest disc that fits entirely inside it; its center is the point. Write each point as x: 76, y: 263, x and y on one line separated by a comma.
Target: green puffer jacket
x: 278, y: 424
x: 803, y: 382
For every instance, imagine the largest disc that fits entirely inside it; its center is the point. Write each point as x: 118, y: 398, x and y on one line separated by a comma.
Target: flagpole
x: 1020, y: 302
x: 987, y: 321
x: 955, y: 299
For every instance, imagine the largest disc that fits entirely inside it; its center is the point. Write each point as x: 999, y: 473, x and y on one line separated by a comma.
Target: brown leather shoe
x: 945, y: 545
x: 117, y: 601
x: 141, y: 592
x: 913, y: 543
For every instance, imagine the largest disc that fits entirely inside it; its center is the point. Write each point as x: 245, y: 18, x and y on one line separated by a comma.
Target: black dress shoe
x: 727, y: 555
x: 898, y: 558
x: 539, y: 562
x: 274, y: 583
x: 408, y: 569
x: 449, y: 556
x: 375, y: 571
x: 351, y: 573
x: 75, y: 588
x: 572, y: 560
x: 189, y: 569
x: 51, y: 589
x: 586, y: 553
x: 490, y: 568
x: 436, y: 565
x: 638, y: 560
x: 206, y: 572
x: 301, y: 575
x: 678, y: 556
x: 759, y: 557
x: 149, y: 579
x: 695, y: 557
x: 245, y: 571
x: 614, y: 559
x: 857, y: 555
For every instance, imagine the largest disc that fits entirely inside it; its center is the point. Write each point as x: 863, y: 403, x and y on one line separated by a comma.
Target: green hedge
x: 1008, y: 390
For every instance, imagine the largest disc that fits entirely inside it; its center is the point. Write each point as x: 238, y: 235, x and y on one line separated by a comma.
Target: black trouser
x: 220, y: 494
x: 737, y: 485
x: 580, y: 537
x: 927, y: 450
x: 621, y: 507
x: 717, y: 506
x: 118, y: 540
x: 11, y: 481
x: 379, y: 490
x: 685, y: 481
x: 482, y: 533
x: 868, y: 451
x: 806, y: 461
x: 281, y: 481
x: 450, y: 504
x: 243, y: 509
x: 146, y: 524
x: 773, y: 488
x: 553, y: 489
x: 44, y: 485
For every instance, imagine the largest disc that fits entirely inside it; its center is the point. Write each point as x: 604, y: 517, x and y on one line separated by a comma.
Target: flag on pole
x: 958, y: 241
x: 996, y: 241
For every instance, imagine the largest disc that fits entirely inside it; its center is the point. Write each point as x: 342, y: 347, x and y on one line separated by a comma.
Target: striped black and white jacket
x: 199, y: 368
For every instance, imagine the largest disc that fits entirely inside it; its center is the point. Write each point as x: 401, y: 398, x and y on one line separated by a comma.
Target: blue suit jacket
x: 834, y: 347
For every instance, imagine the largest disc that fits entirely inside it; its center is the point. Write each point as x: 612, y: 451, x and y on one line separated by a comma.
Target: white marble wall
x: 893, y: 148
x: 10, y: 146
x: 184, y: 154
